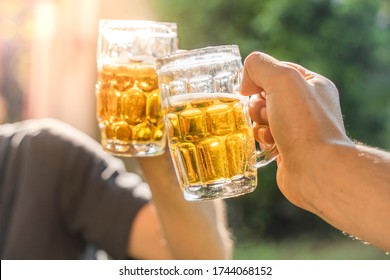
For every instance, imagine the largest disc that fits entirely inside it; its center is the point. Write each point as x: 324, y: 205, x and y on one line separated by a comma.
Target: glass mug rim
x: 157, y: 28
x: 199, y: 56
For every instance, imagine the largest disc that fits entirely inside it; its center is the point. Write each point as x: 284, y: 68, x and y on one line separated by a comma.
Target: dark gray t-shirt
x: 60, y: 192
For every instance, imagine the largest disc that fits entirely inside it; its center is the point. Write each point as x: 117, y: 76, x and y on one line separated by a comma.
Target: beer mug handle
x: 266, y: 155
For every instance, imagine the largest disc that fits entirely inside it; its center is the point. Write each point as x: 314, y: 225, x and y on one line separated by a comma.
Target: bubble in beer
x: 239, y: 115
x: 193, y: 124
x: 144, y: 132
x: 177, y: 107
x: 202, y: 103
x: 134, y: 106
x: 112, y: 102
x: 153, y: 107
x: 220, y: 119
x: 158, y: 133
x: 123, y: 78
x: 122, y: 131
x: 228, y: 99
x: 147, y: 79
x: 212, y: 157
x: 173, y: 128
x: 237, y: 150
x: 105, y: 93
x: 106, y: 127
x: 106, y: 75
x: 188, y: 159
x: 159, y: 130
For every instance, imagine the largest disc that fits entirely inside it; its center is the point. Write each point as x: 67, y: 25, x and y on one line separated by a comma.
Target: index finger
x: 263, y: 72
x: 307, y: 74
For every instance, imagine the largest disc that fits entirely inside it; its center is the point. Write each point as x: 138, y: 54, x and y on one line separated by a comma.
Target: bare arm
x: 319, y: 168
x: 349, y: 187
x: 172, y: 228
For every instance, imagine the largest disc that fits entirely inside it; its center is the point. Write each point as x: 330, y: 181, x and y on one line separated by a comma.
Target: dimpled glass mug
x: 127, y: 95
x: 209, y: 131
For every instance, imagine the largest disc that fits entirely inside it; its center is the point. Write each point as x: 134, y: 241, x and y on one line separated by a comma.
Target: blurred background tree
x: 347, y: 41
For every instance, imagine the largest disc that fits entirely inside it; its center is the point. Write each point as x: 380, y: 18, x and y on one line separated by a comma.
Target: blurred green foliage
x: 347, y: 41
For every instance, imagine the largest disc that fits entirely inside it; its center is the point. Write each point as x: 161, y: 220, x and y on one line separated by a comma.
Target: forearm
x: 193, y: 230
x: 349, y: 187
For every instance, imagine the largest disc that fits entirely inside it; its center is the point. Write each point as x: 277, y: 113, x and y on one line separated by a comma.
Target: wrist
x: 303, y: 173
x: 321, y: 173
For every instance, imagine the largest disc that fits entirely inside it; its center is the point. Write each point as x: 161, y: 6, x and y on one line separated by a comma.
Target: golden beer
x: 129, y: 109
x: 208, y: 126
x: 127, y: 93
x: 212, y: 144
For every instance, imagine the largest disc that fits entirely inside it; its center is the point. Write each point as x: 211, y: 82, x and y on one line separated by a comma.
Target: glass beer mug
x: 210, y: 133
x: 127, y: 94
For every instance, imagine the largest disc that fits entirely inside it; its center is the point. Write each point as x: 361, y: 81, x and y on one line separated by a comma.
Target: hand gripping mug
x: 127, y: 95
x: 210, y: 133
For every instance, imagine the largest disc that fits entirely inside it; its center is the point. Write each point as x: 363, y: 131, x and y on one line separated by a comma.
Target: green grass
x: 308, y: 249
